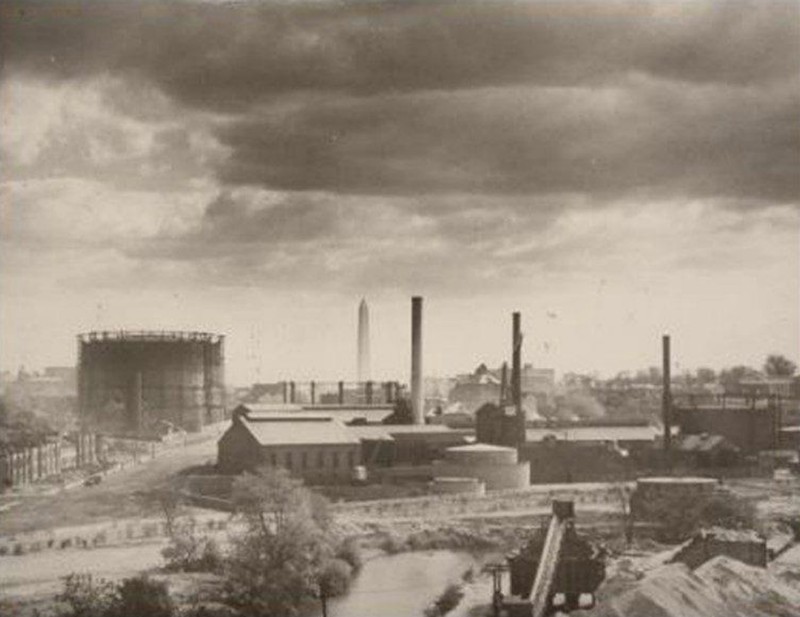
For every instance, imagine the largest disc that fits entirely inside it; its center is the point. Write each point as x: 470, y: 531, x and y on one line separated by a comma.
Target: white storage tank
x: 497, y: 467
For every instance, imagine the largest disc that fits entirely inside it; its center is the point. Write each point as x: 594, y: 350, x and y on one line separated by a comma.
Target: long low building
x: 315, y: 447
x: 320, y: 448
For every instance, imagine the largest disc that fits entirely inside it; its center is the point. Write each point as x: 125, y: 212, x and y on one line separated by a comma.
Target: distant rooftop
x: 148, y: 335
x: 676, y: 480
x: 480, y: 447
x: 596, y: 433
x: 345, y: 413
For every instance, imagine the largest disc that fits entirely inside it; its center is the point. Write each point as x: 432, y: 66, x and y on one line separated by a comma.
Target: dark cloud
x: 230, y: 55
x: 606, y: 98
x: 352, y: 140
x: 653, y: 137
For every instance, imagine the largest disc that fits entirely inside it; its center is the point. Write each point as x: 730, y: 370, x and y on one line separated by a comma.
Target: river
x: 400, y: 585
x: 403, y: 585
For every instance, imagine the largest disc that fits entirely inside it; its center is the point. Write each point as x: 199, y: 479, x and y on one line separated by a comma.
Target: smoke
x: 581, y: 405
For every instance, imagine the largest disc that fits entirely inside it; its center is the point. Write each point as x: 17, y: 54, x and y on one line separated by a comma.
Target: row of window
x: 305, y: 460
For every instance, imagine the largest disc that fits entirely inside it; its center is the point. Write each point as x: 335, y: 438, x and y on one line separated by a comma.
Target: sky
x: 613, y: 170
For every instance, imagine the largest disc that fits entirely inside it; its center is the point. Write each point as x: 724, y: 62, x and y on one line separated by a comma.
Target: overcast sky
x: 612, y: 170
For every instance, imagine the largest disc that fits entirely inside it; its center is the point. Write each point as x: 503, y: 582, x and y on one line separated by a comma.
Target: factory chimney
x: 417, y: 400
x: 666, y: 396
x: 363, y: 342
x: 516, y: 364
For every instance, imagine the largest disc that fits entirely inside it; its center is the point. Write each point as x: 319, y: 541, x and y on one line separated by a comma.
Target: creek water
x: 403, y: 585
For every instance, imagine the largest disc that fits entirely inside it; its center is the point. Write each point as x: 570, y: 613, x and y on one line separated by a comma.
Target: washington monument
x: 363, y: 342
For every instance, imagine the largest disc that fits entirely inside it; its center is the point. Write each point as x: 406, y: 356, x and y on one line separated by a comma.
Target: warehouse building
x: 315, y: 447
x: 320, y: 447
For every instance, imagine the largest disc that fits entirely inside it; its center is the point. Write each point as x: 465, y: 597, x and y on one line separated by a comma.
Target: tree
x: 779, y: 366
x: 735, y: 375
x: 287, y: 545
x: 706, y: 375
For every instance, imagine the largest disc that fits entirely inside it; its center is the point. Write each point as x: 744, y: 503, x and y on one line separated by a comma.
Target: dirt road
x: 115, y: 497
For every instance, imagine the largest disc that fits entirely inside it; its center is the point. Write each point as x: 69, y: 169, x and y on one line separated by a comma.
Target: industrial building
x: 751, y: 428
x: 258, y: 432
x: 314, y: 447
x: 133, y: 382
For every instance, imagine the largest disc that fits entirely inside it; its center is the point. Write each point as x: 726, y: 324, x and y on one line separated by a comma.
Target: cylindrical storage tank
x: 137, y: 382
x: 496, y: 466
x: 457, y: 486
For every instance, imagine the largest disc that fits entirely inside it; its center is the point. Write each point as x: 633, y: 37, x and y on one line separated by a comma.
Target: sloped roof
x: 297, y: 429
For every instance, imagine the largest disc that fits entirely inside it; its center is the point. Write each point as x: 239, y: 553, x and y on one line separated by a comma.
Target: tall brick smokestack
x: 666, y: 395
x: 516, y: 364
x: 516, y: 379
x: 417, y: 400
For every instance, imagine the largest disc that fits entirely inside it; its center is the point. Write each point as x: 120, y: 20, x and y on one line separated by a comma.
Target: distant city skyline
x: 611, y: 170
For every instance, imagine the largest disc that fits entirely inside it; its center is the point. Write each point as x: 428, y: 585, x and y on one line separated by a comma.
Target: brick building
x: 315, y: 447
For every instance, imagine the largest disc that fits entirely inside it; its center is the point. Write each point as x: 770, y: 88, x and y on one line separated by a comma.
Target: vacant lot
x: 115, y: 497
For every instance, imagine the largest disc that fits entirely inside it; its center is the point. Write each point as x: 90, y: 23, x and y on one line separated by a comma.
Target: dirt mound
x: 722, y: 587
x: 751, y: 591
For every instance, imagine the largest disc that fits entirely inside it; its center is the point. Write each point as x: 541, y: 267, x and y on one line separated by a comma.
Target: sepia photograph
x: 399, y: 308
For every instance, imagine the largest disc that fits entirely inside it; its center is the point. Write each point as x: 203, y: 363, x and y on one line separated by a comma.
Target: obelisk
x: 363, y: 342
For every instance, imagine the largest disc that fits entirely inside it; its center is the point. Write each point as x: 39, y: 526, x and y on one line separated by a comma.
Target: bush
x: 87, y: 597
x: 334, y: 578
x: 349, y: 552
x: 142, y: 597
x: 188, y: 551
x: 138, y: 596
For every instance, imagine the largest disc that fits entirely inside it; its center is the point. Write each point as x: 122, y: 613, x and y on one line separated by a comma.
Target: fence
x: 21, y: 466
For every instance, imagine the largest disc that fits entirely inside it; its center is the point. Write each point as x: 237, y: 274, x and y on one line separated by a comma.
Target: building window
x: 320, y: 459
x: 304, y: 460
x: 351, y: 459
x: 273, y: 459
x: 336, y: 460
x: 288, y: 460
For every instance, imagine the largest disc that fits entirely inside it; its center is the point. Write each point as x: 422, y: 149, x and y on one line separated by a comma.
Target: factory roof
x: 345, y: 413
x: 389, y: 432
x: 480, y: 447
x: 595, y: 433
x: 676, y: 480
x: 704, y: 443
x: 297, y: 429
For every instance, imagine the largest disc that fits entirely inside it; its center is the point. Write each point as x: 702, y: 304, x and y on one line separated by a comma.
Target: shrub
x: 349, y: 552
x: 392, y: 544
x: 87, y: 597
x: 142, y: 597
x: 334, y: 578
x: 189, y: 551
